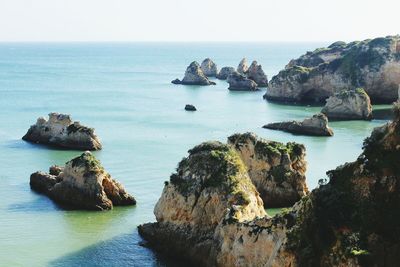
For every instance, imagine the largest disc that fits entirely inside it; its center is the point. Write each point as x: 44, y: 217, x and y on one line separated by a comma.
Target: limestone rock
x: 225, y: 72
x: 209, y: 68
x: 59, y: 130
x: 348, y: 105
x: 371, y: 64
x: 190, y: 108
x: 82, y: 184
x: 316, y: 125
x: 277, y: 170
x: 238, y: 82
x: 243, y: 66
x: 256, y: 73
x: 194, y: 76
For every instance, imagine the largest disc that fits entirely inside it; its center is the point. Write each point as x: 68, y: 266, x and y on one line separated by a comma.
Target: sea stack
x: 276, y: 169
x: 372, y: 64
x: 348, y: 105
x: 81, y: 184
x: 209, y: 68
x: 225, y: 72
x: 243, y: 67
x: 256, y: 73
x: 317, y: 125
x: 59, y: 130
x: 239, y: 82
x: 194, y: 76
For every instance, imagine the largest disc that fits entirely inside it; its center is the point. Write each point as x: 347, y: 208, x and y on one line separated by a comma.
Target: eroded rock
x: 194, y: 76
x: 209, y: 68
x: 189, y: 107
x: 348, y: 105
x: 225, y: 72
x: 317, y: 125
x: 243, y: 67
x: 256, y: 73
x: 59, y: 130
x: 238, y: 82
x: 82, y: 184
x: 371, y: 64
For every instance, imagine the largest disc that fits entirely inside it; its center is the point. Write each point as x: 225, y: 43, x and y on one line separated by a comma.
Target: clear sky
x: 200, y: 20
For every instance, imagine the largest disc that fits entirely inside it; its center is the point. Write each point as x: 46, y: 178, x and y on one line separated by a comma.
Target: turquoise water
x: 124, y: 91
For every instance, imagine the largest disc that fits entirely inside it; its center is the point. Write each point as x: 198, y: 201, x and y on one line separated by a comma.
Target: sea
x: 123, y: 90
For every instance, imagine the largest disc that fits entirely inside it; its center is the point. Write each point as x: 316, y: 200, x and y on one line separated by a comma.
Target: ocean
x: 123, y: 90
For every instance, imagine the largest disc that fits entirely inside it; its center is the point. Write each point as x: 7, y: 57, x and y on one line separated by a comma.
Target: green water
x: 124, y: 92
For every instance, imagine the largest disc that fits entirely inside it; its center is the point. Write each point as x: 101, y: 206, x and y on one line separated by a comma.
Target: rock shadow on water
x: 123, y: 250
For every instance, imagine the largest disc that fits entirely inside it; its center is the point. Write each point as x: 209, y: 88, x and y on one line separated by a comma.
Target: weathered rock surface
x: 209, y: 68
x: 276, y: 169
x: 317, y: 125
x: 225, y: 72
x: 189, y: 107
x: 350, y: 221
x: 256, y: 73
x: 194, y: 76
x: 238, y: 82
x: 348, y: 105
x: 59, y: 130
x: 82, y: 184
x: 243, y: 67
x: 371, y: 64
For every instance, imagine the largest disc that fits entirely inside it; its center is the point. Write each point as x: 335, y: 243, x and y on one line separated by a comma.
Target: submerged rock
x: 225, y: 72
x: 238, y: 82
x: 209, y: 68
x: 59, y: 130
x: 82, y: 184
x: 316, y: 125
x: 256, y: 73
x: 348, y: 105
x: 243, y: 66
x: 371, y: 64
x: 190, y: 108
x: 194, y: 76
x: 277, y: 170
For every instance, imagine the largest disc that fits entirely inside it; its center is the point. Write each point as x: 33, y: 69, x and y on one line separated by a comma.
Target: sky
x: 200, y: 20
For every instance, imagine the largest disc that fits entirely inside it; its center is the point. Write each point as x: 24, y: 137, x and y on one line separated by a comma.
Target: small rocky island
x: 317, y: 125
x: 348, y: 105
x: 256, y: 73
x: 239, y: 82
x: 59, y: 130
x: 371, y: 64
x: 194, y: 76
x: 189, y: 107
x: 81, y: 184
x: 209, y: 68
x: 210, y: 214
x: 225, y: 72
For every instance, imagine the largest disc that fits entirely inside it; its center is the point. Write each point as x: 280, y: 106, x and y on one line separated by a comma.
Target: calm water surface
x: 124, y: 91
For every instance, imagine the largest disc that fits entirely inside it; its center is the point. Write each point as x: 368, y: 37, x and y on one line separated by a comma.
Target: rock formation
x: 194, y: 76
x: 256, y: 73
x: 225, y: 72
x: 238, y: 82
x: 371, y: 64
x: 350, y: 221
x: 348, y: 105
x: 209, y: 68
x: 61, y: 131
x: 82, y: 184
x: 189, y: 107
x: 243, y: 66
x: 316, y: 125
x: 277, y: 170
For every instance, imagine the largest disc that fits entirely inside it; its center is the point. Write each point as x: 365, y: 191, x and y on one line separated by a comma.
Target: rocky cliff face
x: 348, y: 105
x: 194, y: 76
x: 83, y: 184
x: 277, y: 170
x: 371, y: 64
x: 350, y: 221
x: 209, y: 68
x: 256, y: 73
x: 317, y: 125
x: 59, y: 130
